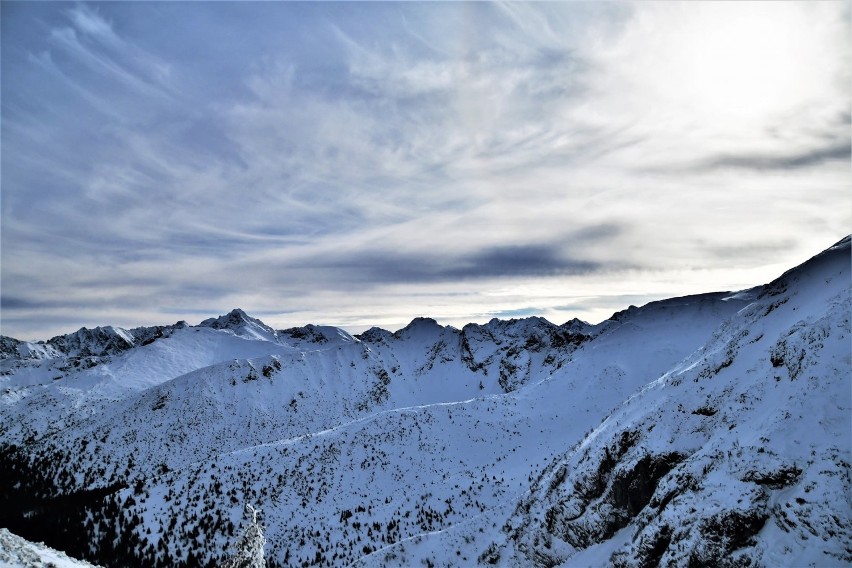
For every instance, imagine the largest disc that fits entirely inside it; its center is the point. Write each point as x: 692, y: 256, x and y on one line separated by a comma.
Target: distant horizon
x: 207, y: 315
x: 357, y: 164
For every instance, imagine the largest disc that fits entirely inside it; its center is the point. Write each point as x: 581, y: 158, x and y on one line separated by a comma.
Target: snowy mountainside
x: 16, y: 552
x: 634, y: 441
x: 738, y: 456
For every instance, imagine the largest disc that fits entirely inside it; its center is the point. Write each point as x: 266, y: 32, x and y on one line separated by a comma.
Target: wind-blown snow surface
x: 708, y: 429
x: 16, y: 552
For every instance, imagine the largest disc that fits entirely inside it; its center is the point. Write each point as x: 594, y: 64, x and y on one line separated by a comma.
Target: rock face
x: 709, y: 430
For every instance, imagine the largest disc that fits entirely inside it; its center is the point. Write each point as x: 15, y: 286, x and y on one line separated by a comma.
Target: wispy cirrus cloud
x: 354, y: 164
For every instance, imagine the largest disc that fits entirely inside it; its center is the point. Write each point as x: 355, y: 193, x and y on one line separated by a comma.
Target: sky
x: 358, y: 164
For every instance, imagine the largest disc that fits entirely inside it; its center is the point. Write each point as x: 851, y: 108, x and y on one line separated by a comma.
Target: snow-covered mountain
x: 699, y: 431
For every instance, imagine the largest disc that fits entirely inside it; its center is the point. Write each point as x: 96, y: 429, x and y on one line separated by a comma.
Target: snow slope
x: 698, y: 430
x: 738, y: 455
x: 15, y: 552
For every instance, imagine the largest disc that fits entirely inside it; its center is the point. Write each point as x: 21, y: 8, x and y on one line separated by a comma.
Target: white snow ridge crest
x: 709, y: 430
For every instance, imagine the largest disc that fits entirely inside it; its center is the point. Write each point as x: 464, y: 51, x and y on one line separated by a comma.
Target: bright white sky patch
x: 733, y: 62
x: 363, y: 164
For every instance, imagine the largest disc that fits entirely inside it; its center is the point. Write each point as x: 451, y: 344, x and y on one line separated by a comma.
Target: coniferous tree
x: 248, y: 552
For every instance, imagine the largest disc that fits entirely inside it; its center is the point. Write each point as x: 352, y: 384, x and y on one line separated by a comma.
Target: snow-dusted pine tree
x: 248, y: 551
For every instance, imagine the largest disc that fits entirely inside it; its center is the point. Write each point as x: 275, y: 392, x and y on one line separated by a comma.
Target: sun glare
x: 748, y: 62
x: 729, y: 63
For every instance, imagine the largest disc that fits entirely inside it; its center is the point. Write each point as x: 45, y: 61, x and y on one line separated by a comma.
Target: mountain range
x: 706, y: 430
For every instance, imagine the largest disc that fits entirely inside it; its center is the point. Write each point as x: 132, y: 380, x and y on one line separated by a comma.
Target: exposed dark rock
x: 375, y: 335
x: 705, y: 411
x: 9, y: 347
x: 649, y: 551
x: 97, y: 342
x: 632, y: 489
x: 778, y: 479
x: 725, y: 533
x: 309, y: 333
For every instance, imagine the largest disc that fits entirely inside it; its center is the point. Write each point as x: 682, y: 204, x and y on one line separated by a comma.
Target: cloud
x: 90, y: 22
x: 379, y: 268
x: 806, y: 159
x: 422, y: 253
x: 517, y: 313
x: 521, y: 260
x: 44, y: 60
x: 716, y: 80
x: 14, y: 303
x: 445, y: 158
x: 68, y: 41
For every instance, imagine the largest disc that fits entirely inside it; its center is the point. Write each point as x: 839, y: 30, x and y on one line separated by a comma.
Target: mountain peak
x: 576, y: 325
x: 845, y: 242
x: 420, y: 326
x: 241, y: 324
x: 311, y: 335
x: 423, y: 322
x: 820, y: 267
x: 375, y: 335
x: 232, y: 318
x: 98, y: 341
